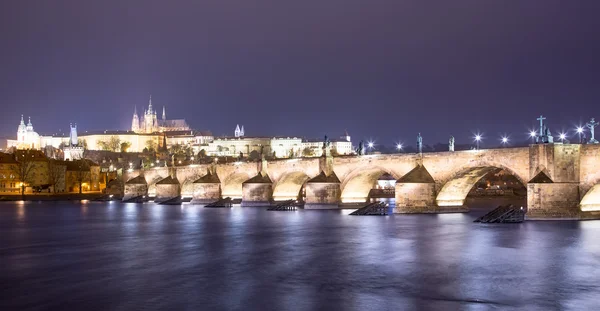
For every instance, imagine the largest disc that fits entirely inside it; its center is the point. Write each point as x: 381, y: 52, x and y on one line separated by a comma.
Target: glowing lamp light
x: 532, y: 133
x: 399, y: 146
x: 371, y: 144
x: 580, y: 130
x: 563, y: 136
x: 504, y: 140
x: 477, y: 137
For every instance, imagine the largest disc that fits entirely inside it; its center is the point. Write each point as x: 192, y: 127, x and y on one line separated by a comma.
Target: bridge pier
x: 167, y: 189
x: 323, y: 192
x: 414, y: 198
x: 416, y: 194
x: 553, y: 190
x: 257, y: 191
x: 553, y: 200
x: 206, y: 189
x: 135, y: 187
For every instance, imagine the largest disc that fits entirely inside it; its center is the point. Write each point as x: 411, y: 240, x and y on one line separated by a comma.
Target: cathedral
x: 27, y: 138
x: 150, y: 123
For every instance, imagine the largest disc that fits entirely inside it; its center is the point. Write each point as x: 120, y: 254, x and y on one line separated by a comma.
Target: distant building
x: 84, y: 172
x: 27, y: 138
x: 341, y: 146
x: 74, y: 144
x: 279, y: 147
x: 150, y: 123
x: 9, y: 182
x: 73, y: 150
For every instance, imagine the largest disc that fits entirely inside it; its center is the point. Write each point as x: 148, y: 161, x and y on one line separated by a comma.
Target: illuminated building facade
x: 150, y: 123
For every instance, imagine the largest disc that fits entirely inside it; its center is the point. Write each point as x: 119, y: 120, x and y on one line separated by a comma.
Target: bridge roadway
x: 562, y: 180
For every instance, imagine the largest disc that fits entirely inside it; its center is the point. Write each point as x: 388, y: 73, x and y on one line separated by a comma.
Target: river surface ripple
x: 113, y: 256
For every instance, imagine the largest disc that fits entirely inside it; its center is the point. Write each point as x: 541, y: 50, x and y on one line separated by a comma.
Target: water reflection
x: 147, y: 256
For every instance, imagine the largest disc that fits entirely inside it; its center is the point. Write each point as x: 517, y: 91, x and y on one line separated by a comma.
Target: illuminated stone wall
x: 206, y: 192
x: 257, y: 194
x: 452, y: 175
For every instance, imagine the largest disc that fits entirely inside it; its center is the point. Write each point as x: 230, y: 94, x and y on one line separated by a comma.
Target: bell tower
x: 135, y: 122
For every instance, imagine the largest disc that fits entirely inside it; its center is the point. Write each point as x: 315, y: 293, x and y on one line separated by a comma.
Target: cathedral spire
x: 237, y: 131
x: 164, y: 116
x: 29, y: 124
x: 150, y: 105
x: 135, y: 110
x: 22, y: 121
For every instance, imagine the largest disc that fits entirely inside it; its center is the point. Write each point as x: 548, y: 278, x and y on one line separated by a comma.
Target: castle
x: 151, y: 124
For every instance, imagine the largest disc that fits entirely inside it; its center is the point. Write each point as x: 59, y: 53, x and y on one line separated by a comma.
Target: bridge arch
x: 288, y: 186
x: 232, y: 185
x: 152, y: 185
x: 455, y: 190
x: 591, y: 200
x: 187, y: 187
x: 359, y: 182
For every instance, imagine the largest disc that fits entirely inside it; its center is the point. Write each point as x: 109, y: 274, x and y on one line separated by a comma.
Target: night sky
x: 383, y: 70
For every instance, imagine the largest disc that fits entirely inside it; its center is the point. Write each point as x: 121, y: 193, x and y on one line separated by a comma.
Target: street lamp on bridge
x: 562, y: 137
x: 477, y: 140
x: 399, y: 146
x: 580, y: 133
x: 504, y: 141
x: 533, y: 134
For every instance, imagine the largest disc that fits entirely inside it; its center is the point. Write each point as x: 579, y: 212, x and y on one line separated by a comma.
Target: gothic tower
x: 73, y: 141
x: 135, y: 122
x: 237, y: 131
x: 150, y: 120
x: 164, y: 116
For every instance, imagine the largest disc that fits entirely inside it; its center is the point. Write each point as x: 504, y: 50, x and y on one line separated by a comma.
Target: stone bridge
x: 562, y: 180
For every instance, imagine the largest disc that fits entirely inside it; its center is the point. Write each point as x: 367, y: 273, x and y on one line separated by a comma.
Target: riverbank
x: 54, y: 197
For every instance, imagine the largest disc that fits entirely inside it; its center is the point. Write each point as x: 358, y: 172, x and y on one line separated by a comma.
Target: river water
x: 112, y: 256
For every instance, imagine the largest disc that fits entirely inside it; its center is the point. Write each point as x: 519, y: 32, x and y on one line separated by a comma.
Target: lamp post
x: 477, y: 140
x: 504, y: 141
x: 562, y: 137
x: 532, y: 134
x: 580, y: 132
x: 399, y: 147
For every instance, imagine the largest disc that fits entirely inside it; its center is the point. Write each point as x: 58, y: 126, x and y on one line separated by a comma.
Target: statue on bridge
x: 419, y: 143
x: 451, y: 144
x: 591, y: 125
x: 326, y: 146
x: 547, y: 138
x: 361, y: 148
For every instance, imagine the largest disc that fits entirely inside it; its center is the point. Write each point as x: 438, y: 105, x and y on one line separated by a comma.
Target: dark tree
x: 23, y: 170
x: 56, y: 173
